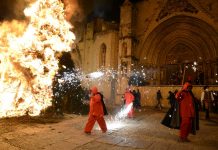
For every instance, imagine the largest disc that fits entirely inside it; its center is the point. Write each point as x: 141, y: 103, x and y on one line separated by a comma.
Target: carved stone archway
x: 183, y: 38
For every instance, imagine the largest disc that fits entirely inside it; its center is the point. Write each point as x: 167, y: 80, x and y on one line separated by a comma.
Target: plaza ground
x: 142, y: 132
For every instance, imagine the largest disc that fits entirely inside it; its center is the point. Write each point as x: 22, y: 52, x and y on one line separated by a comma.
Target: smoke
x: 12, y: 9
x: 72, y: 10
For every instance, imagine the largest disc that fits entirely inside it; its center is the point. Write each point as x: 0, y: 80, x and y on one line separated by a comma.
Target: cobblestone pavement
x: 142, y: 132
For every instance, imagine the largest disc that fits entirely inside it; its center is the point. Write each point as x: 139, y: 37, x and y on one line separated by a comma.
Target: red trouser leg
x: 90, y: 123
x: 102, y: 124
x: 185, y: 127
x: 130, y: 113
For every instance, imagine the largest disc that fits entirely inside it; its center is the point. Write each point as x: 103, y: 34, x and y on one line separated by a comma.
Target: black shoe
x: 182, y: 140
x: 104, y: 131
x: 88, y: 133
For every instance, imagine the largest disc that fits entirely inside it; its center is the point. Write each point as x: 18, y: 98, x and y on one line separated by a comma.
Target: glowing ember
x: 28, y: 60
x: 194, y: 66
x: 96, y: 74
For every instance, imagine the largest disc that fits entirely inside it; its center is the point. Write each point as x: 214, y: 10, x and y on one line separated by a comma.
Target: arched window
x: 124, y: 50
x: 102, y: 59
x: 124, y: 68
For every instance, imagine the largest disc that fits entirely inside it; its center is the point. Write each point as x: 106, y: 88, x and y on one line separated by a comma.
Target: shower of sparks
x: 113, y: 124
x: 101, y: 78
x: 96, y: 74
x: 118, y: 121
x: 66, y: 81
x: 123, y: 113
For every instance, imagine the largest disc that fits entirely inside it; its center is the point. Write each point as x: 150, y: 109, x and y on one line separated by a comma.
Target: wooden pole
x: 183, y: 76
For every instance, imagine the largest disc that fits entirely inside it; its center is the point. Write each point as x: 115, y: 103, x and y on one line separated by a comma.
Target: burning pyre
x: 28, y: 57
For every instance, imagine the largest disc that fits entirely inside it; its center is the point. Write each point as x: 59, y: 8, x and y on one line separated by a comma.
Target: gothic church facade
x: 174, y: 41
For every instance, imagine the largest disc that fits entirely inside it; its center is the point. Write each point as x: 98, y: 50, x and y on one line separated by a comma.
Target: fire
x: 28, y: 57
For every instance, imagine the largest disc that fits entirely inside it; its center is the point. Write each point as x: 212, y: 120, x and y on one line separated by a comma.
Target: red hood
x: 94, y: 90
x: 186, y: 85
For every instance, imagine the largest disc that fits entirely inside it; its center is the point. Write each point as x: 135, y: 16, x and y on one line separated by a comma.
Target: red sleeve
x: 180, y: 96
x: 97, y: 98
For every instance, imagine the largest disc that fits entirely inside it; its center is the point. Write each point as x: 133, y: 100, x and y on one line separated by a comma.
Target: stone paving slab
x: 142, y: 132
x: 6, y: 146
x: 114, y: 140
x: 61, y: 145
x: 132, y: 143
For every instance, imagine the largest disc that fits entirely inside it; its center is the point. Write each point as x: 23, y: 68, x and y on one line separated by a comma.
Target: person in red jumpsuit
x: 187, y: 111
x: 129, y: 98
x: 96, y: 112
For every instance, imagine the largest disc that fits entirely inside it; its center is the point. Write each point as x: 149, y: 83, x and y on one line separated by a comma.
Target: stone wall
x: 148, y: 94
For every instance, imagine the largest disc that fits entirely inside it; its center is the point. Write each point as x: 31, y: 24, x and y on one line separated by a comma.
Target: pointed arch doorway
x: 178, y: 42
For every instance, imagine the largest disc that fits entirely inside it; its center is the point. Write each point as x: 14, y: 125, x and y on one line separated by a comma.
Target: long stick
x: 183, y: 76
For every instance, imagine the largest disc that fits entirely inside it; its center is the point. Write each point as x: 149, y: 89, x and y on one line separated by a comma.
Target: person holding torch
x: 129, y: 98
x: 188, y: 112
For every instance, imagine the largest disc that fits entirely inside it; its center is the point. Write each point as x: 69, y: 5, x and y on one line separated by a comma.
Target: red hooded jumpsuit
x: 96, y: 112
x: 129, y: 99
x: 187, y: 111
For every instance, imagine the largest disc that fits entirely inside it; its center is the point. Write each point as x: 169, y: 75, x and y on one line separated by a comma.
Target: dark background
x: 87, y: 9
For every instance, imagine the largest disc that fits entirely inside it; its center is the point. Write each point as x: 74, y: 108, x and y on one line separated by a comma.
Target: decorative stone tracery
x: 173, y: 6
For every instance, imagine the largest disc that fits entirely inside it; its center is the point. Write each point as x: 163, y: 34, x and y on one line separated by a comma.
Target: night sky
x: 107, y: 9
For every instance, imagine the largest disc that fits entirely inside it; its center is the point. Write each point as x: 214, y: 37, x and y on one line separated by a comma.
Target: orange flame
x: 28, y: 60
